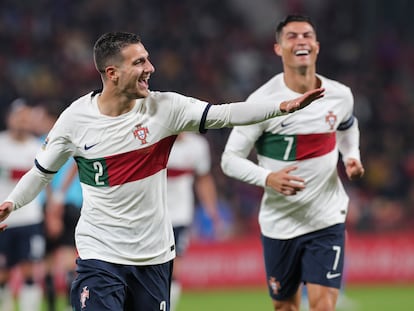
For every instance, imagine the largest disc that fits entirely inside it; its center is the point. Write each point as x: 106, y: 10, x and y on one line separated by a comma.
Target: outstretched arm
x: 245, y: 113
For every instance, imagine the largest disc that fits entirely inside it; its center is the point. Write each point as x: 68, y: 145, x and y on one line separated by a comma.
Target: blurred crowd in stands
x: 220, y: 51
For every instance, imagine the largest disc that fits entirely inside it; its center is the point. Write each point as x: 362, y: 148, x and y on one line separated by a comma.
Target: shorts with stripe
x: 316, y: 257
x: 103, y: 286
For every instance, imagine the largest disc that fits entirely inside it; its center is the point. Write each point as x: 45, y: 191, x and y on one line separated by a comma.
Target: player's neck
x: 113, y: 105
x: 301, y: 80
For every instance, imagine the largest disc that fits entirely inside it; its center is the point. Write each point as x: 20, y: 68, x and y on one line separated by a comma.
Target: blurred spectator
x: 22, y: 245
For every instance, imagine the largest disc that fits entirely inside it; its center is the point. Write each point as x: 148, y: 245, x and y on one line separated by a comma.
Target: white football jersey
x: 122, y: 168
x: 307, y: 139
x: 16, y: 158
x: 190, y: 156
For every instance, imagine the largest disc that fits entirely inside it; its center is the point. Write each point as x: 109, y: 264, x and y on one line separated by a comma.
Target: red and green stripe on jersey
x: 295, y: 147
x: 125, y: 167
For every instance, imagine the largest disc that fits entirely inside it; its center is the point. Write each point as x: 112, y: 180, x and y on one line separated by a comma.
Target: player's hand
x: 303, y: 101
x: 285, y: 183
x: 354, y: 169
x: 5, y: 209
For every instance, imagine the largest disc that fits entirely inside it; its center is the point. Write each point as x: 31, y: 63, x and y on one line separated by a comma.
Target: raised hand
x: 302, y: 101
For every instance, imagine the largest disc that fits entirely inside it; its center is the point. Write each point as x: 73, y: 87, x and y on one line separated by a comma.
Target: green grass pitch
x: 361, y: 298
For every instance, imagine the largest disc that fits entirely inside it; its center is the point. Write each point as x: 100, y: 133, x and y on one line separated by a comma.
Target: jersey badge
x: 274, y: 285
x: 84, y: 296
x: 330, y: 119
x: 140, y: 133
x: 45, y: 142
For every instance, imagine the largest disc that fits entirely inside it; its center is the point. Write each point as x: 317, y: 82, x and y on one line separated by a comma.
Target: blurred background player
x: 188, y: 174
x: 62, y: 201
x: 62, y: 211
x: 304, y: 206
x: 22, y: 245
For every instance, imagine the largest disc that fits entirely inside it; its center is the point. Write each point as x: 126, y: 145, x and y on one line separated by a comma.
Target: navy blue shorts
x: 103, y: 286
x: 23, y: 243
x: 316, y: 257
x: 182, y: 239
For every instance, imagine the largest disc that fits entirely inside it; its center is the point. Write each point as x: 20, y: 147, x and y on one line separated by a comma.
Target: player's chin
x: 142, y: 92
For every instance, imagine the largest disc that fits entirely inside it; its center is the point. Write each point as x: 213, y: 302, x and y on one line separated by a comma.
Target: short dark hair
x: 109, y: 46
x: 293, y: 18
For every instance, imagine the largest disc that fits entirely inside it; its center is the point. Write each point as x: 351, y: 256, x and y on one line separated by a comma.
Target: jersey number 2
x: 97, y: 166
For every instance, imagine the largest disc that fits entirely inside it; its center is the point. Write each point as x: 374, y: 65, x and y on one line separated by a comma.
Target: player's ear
x: 277, y: 48
x: 111, y: 73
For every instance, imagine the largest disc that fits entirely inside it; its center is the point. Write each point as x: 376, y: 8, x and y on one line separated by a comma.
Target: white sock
x: 175, y: 294
x: 6, y: 299
x: 30, y: 297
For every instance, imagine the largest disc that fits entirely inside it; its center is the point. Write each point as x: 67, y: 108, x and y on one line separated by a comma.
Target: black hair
x: 293, y: 18
x: 109, y: 45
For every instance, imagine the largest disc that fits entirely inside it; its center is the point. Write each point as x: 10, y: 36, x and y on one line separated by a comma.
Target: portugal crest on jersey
x: 140, y: 133
x: 330, y: 119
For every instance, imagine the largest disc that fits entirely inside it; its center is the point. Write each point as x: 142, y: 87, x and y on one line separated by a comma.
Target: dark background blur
x: 220, y: 51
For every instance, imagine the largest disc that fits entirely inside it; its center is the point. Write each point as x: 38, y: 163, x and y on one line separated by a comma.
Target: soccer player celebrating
x: 304, y: 205
x: 120, y: 138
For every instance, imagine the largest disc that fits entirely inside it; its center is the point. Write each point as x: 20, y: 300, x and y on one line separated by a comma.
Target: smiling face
x: 131, y: 74
x: 297, y: 46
